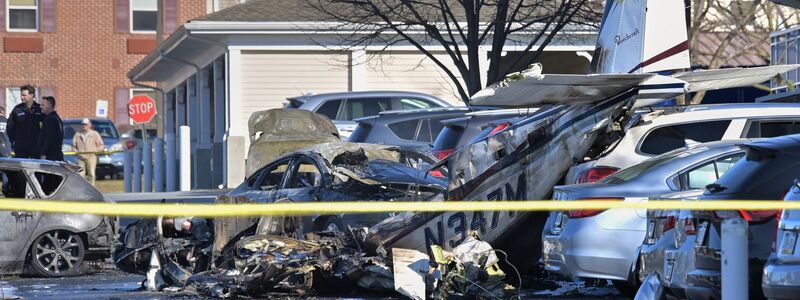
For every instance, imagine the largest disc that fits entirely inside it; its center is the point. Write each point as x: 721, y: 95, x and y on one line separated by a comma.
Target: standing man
x: 5, y: 144
x: 87, y: 140
x: 52, y: 135
x: 23, y: 125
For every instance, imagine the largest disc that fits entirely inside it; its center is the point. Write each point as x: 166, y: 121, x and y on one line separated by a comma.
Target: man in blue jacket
x: 24, y: 125
x: 52, y: 134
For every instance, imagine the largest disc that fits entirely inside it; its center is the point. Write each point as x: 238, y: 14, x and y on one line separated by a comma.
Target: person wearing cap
x: 89, y: 142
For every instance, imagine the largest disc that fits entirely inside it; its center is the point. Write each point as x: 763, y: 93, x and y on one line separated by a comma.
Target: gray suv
x: 343, y: 108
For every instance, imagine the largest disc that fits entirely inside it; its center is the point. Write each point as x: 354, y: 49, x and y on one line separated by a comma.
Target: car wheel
x: 57, y: 253
x: 333, y: 224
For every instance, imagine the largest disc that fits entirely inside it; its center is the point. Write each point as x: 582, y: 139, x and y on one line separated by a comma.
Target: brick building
x: 80, y: 51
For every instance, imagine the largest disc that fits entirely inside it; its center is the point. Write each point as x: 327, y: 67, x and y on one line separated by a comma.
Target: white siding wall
x: 269, y: 77
x: 411, y: 71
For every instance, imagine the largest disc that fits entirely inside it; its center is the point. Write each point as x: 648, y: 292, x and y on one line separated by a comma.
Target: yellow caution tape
x: 96, y: 152
x: 76, y: 152
x: 329, y: 208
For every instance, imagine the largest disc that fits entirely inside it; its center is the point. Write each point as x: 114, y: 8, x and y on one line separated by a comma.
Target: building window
x: 23, y: 15
x: 144, y: 14
x: 12, y: 99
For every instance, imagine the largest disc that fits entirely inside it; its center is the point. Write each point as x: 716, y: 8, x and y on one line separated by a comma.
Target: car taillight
x: 775, y: 233
x: 576, y: 214
x: 689, y: 226
x: 669, y: 224
x: 442, y: 154
x: 596, y: 174
x: 436, y: 173
x: 758, y: 216
x: 584, y: 213
x: 130, y: 144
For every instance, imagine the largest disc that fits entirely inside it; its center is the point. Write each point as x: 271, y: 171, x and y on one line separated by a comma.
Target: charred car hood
x: 276, y: 132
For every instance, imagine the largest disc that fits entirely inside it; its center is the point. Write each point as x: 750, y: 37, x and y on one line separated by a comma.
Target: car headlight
x: 117, y: 147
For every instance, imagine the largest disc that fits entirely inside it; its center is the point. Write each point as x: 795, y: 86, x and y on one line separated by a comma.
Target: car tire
x: 332, y: 223
x: 630, y: 287
x: 625, y: 288
x: 57, y: 253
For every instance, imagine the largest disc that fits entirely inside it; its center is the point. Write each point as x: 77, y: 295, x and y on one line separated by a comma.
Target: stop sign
x: 141, y: 109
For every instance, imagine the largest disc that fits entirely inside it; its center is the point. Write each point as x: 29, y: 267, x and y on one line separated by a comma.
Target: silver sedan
x: 667, y: 248
x: 604, y: 244
x: 781, y: 278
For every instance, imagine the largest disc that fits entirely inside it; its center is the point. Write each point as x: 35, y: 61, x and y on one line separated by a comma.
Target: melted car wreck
x: 262, y: 262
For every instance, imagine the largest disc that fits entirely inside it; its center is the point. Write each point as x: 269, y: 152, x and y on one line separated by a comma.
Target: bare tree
x: 460, y: 27
x: 741, y: 28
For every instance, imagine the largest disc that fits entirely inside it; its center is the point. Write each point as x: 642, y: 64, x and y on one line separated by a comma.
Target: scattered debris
x: 176, y: 253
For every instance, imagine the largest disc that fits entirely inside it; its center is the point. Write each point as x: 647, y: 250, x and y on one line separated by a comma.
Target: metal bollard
x: 734, y: 259
x: 158, y: 174
x: 186, y: 158
x: 171, y: 154
x: 137, y: 170
x: 127, y: 168
x: 147, y: 164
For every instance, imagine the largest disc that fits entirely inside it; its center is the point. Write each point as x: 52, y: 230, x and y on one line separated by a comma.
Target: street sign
x: 101, y: 109
x: 141, y: 109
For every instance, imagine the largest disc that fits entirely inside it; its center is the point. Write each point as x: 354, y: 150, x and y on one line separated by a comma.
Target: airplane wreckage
x: 423, y: 255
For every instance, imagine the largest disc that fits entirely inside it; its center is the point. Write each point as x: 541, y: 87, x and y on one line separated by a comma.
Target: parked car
x: 766, y: 171
x: 576, y: 242
x: 781, y: 276
x: 657, y: 132
x: 51, y: 244
x: 107, y: 164
x: 461, y: 131
x: 133, y: 137
x: 343, y: 108
x: 406, y: 128
x: 667, y: 248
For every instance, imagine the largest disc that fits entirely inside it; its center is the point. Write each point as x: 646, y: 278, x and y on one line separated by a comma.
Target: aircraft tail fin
x: 642, y: 36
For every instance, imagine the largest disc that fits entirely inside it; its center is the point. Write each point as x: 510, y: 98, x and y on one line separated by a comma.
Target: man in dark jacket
x: 24, y: 125
x: 5, y: 144
x: 52, y: 135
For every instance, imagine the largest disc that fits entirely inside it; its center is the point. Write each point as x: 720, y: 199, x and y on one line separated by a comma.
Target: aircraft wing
x: 704, y: 80
x: 557, y: 89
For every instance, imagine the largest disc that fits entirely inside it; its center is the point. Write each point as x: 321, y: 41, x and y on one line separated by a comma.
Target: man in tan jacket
x: 87, y: 140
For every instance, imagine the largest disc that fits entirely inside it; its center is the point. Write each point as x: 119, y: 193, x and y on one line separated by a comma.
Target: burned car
x: 337, y: 171
x: 50, y: 244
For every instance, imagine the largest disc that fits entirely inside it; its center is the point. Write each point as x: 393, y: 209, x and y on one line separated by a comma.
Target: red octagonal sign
x: 141, y: 109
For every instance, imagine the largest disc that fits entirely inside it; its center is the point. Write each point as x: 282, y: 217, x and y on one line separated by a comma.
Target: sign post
x: 142, y: 109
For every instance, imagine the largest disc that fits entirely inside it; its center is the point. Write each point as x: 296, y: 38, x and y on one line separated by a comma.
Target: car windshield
x: 151, y: 134
x: 107, y: 130
x: 634, y: 171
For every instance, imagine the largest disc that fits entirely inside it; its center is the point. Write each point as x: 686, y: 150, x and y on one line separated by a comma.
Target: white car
x: 663, y: 130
